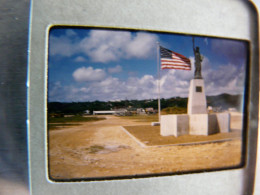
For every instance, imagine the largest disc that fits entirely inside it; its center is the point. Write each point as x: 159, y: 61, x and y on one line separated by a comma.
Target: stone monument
x: 197, y: 121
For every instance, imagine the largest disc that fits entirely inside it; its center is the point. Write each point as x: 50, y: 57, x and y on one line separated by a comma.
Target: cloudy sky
x: 109, y: 65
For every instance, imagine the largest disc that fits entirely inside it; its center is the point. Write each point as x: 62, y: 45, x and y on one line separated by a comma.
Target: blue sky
x: 110, y: 65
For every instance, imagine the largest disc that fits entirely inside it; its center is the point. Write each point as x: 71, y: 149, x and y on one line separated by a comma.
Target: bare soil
x: 103, y: 149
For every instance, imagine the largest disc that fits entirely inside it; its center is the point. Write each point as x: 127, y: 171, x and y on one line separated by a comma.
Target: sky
x: 89, y: 64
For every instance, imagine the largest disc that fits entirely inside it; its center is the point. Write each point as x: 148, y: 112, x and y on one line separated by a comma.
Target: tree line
x: 82, y: 107
x: 224, y: 101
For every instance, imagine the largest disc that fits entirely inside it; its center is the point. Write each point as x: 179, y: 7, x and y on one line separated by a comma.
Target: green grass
x: 154, y: 117
x: 150, y: 135
x: 174, y: 110
x: 73, y: 119
x: 142, y: 118
x: 56, y: 126
x: 57, y: 123
x: 95, y: 149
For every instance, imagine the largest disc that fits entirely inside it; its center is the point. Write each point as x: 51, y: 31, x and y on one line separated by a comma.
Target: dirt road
x: 102, y: 148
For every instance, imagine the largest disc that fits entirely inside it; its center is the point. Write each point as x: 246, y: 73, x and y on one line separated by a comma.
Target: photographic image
x: 130, y: 103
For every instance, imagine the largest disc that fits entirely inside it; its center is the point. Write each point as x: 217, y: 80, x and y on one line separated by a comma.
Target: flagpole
x: 159, y: 78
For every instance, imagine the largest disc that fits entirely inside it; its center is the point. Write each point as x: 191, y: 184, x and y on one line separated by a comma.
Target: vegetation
x: 174, y: 105
x: 225, y: 101
x: 73, y: 119
x: 79, y: 108
x: 174, y: 110
x: 95, y: 149
x: 150, y: 135
x: 55, y: 123
x: 56, y: 126
x: 143, y: 118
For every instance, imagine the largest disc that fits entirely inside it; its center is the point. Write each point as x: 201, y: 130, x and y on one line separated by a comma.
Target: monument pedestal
x: 194, y: 124
x: 208, y: 124
x: 197, y: 103
x: 197, y: 121
x: 174, y: 124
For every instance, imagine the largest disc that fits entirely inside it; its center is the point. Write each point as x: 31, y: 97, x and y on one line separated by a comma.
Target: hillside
x: 225, y: 101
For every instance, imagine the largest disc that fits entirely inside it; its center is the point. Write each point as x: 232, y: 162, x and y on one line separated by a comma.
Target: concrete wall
x: 223, y: 122
x: 199, y: 124
x: 195, y: 124
x: 213, y: 124
x: 174, y: 124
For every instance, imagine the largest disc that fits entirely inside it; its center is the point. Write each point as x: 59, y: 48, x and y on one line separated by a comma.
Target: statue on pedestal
x: 198, y: 60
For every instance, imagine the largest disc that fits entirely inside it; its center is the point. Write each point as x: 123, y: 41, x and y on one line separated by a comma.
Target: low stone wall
x: 174, y: 124
x: 194, y: 124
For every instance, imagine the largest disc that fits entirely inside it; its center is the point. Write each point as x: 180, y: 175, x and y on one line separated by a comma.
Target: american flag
x: 173, y: 60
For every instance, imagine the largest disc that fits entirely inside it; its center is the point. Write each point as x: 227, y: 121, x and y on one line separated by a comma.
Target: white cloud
x: 105, y: 46
x: 141, y: 46
x: 80, y: 59
x: 108, y: 88
x: 58, y: 92
x: 141, y: 88
x: 225, y: 79
x: 115, y: 69
x: 88, y: 74
x: 175, y: 83
x: 70, y: 33
x: 62, y: 46
x: 54, y: 89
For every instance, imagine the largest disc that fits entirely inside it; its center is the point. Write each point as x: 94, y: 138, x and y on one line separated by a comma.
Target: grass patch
x: 57, y: 123
x: 73, y: 119
x: 174, y: 110
x: 57, y: 126
x: 150, y: 135
x: 142, y: 118
x: 95, y: 149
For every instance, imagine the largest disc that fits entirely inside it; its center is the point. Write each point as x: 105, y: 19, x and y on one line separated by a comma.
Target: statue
x: 198, y: 60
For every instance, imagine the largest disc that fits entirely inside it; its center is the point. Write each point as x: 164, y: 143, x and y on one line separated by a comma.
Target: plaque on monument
x: 198, y: 89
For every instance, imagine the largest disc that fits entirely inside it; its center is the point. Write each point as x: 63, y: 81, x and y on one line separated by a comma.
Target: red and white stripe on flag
x: 174, y: 60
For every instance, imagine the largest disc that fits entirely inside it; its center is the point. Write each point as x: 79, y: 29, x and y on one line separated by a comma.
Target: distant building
x: 111, y: 112
x: 214, y: 109
x: 87, y: 112
x: 217, y: 109
x: 104, y: 112
x: 140, y: 111
x: 149, y: 111
x: 68, y: 115
x: 232, y: 110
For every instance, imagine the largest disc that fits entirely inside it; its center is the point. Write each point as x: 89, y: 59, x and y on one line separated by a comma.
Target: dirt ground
x: 104, y: 149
